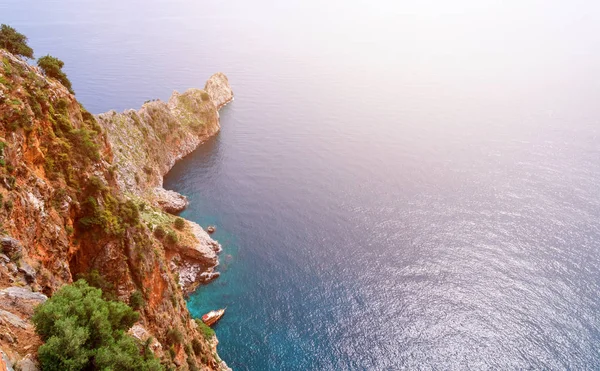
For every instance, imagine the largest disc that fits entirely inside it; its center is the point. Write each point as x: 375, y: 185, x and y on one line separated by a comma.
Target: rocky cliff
x: 81, y: 196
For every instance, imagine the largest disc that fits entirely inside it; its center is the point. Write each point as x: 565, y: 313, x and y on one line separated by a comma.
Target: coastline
x: 142, y: 173
x: 82, y: 198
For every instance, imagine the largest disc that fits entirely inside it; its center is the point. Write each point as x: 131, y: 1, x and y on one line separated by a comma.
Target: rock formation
x: 81, y: 196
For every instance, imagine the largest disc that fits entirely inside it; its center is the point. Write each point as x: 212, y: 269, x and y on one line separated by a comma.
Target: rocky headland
x: 81, y: 196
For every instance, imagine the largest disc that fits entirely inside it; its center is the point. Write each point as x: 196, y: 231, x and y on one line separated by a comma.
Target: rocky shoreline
x: 143, y: 171
x: 81, y: 196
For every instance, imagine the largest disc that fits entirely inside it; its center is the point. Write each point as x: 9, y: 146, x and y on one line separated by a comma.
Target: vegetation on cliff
x: 52, y: 67
x: 81, y: 331
x: 14, y: 42
x: 66, y: 212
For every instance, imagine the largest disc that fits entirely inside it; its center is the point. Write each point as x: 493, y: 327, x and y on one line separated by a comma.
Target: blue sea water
x: 397, y: 184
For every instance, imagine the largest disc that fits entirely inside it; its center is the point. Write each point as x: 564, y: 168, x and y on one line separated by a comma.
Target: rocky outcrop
x: 22, y: 293
x: 147, y: 143
x: 219, y: 90
x: 28, y: 363
x: 14, y: 320
x: 195, y: 259
x: 170, y: 201
x: 78, y: 198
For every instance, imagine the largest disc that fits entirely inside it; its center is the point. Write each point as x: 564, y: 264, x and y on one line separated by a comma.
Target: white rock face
x: 14, y: 320
x: 219, y: 90
x: 139, y: 332
x: 23, y: 293
x: 170, y: 201
x: 196, y: 264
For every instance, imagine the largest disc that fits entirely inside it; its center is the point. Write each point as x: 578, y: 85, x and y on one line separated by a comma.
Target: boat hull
x: 212, y: 317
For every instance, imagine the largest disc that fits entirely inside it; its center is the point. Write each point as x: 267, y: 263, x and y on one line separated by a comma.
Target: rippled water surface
x: 397, y: 184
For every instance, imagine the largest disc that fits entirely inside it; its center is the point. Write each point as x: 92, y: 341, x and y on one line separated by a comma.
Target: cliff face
x: 82, y: 196
x: 146, y: 144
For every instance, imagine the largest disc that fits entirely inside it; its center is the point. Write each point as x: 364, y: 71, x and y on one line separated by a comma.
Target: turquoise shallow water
x: 400, y: 185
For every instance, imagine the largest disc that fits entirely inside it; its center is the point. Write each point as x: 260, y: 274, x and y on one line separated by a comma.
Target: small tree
x: 52, y: 67
x: 136, y: 300
x: 160, y: 232
x: 172, y: 238
x: 179, y: 223
x: 83, y: 331
x: 14, y: 42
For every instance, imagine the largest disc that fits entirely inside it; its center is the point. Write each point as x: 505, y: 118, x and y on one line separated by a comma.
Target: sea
x: 397, y: 184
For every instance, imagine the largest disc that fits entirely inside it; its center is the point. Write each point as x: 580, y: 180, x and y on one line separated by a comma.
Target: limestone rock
x: 10, y: 246
x: 219, y: 90
x: 28, y: 271
x: 23, y: 293
x: 5, y: 363
x: 14, y: 320
x: 139, y: 332
x: 170, y: 201
x: 203, y: 250
x: 196, y: 263
x: 28, y: 363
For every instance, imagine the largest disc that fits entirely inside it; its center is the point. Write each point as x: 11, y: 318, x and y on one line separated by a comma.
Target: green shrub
x: 159, y: 232
x: 8, y: 205
x: 95, y: 185
x: 61, y: 106
x: 81, y: 330
x: 197, y: 346
x: 179, y: 223
x: 14, y: 42
x: 136, y: 300
x: 172, y: 238
x: 86, y: 116
x: 192, y: 364
x: 205, y: 330
x: 130, y: 213
x: 95, y: 279
x: 174, y: 336
x: 2, y: 147
x: 82, y: 140
x: 52, y: 67
x: 188, y: 349
x: 90, y: 211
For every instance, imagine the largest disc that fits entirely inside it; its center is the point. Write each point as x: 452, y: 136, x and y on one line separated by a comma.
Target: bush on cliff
x: 172, y: 238
x: 136, y: 300
x: 179, y: 223
x: 159, y: 232
x: 14, y: 42
x: 83, y: 331
x: 205, y: 330
x: 52, y: 67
